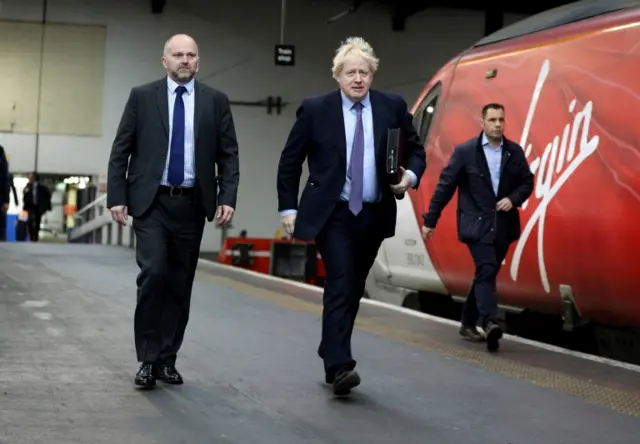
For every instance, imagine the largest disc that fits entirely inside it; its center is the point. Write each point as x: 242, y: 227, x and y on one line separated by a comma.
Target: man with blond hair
x: 162, y: 173
x: 348, y: 207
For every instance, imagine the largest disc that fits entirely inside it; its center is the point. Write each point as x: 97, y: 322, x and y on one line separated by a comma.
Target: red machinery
x: 297, y: 260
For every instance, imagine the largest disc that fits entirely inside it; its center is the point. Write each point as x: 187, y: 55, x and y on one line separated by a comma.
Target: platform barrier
x: 94, y: 225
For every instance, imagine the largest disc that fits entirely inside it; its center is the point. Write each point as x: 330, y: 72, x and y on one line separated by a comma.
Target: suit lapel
x: 483, y: 164
x: 377, y: 110
x: 336, y: 122
x: 199, y: 100
x: 506, y: 155
x: 163, y: 105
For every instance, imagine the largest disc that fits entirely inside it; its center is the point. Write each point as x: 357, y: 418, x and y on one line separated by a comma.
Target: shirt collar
x: 485, y: 142
x: 348, y: 103
x: 172, y: 85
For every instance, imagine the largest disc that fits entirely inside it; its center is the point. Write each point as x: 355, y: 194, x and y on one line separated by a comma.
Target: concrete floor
x: 252, y: 376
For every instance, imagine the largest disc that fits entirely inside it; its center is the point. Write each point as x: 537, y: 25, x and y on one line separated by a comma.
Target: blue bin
x: 11, y: 227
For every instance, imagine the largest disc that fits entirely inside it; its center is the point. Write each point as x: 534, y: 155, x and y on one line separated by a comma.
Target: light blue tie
x: 356, y: 166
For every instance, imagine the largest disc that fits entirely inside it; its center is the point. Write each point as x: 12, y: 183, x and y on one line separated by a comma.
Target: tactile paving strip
x: 617, y: 400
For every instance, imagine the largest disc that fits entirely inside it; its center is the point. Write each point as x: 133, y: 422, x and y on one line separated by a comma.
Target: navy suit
x: 348, y: 243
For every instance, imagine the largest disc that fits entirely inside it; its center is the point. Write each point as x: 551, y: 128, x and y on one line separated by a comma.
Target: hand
x: 289, y: 224
x: 119, y: 213
x: 224, y: 214
x: 427, y: 232
x: 404, y: 183
x: 504, y: 205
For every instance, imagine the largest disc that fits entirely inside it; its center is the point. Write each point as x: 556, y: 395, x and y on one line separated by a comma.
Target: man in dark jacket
x: 5, y: 189
x: 36, y: 201
x: 493, y: 180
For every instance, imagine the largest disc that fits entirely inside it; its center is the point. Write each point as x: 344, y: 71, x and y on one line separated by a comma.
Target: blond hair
x: 354, y: 46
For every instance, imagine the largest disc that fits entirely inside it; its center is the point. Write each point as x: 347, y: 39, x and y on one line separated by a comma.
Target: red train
x: 568, y: 80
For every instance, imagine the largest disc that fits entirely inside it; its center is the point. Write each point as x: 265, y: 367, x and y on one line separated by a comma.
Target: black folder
x: 394, y: 158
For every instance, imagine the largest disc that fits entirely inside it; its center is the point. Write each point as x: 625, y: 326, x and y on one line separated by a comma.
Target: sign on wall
x: 285, y: 55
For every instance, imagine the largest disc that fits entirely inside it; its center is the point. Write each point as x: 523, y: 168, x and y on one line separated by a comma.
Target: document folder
x: 394, y: 157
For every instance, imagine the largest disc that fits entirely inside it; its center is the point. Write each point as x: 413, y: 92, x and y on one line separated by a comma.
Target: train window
x: 426, y: 112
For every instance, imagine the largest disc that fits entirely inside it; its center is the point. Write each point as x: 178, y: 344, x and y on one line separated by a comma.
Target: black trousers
x: 348, y: 245
x: 481, y: 305
x: 168, y: 240
x: 33, y: 225
x: 3, y: 224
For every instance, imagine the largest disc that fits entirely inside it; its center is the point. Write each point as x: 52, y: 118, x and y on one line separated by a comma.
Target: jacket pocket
x: 472, y: 227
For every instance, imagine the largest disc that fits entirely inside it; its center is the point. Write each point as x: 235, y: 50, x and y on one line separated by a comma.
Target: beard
x: 184, y: 74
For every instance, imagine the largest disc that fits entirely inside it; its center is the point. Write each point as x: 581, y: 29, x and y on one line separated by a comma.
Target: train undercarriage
x: 568, y: 330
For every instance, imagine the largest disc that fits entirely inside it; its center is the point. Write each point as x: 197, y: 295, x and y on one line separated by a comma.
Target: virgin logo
x: 560, y: 159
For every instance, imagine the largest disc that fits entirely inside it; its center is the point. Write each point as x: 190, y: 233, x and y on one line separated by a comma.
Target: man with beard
x: 173, y: 132
x: 493, y: 180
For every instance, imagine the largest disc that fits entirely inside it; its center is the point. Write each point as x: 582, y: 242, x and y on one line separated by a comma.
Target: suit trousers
x: 168, y: 240
x: 3, y: 224
x: 348, y: 245
x: 481, y: 305
x: 33, y: 225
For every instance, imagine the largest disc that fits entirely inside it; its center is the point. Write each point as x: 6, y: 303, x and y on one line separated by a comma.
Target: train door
x: 406, y: 256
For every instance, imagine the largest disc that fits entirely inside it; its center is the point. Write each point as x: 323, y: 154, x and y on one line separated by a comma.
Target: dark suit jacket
x: 5, y: 179
x: 13, y: 188
x: 468, y: 171
x: 43, y: 203
x: 143, y: 136
x: 319, y: 135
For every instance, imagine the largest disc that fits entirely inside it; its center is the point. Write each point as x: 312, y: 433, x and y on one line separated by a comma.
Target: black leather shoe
x: 345, y: 381
x: 145, y: 376
x: 470, y: 333
x: 493, y: 333
x: 328, y: 378
x: 168, y: 374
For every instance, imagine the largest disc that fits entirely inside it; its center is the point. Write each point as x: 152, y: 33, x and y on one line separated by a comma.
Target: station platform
x: 252, y: 376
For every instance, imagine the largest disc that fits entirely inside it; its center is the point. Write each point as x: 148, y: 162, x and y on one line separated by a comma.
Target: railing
x: 300, y: 262
x: 94, y: 225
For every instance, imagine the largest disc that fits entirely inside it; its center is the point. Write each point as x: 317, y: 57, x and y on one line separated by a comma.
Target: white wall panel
x: 236, y: 41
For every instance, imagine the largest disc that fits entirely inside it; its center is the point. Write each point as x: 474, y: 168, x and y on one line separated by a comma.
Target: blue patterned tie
x: 175, y: 175
x: 356, y: 164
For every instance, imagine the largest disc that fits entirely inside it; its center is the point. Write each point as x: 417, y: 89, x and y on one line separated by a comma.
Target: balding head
x: 180, y: 58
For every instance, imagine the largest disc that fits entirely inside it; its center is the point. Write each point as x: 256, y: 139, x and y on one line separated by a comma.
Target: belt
x: 177, y: 191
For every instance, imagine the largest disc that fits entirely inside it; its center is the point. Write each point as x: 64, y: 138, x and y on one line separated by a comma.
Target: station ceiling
x: 401, y: 10
x: 413, y: 6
